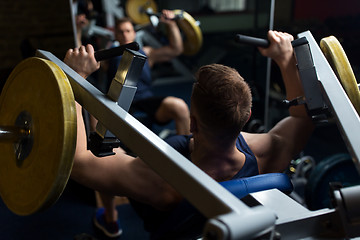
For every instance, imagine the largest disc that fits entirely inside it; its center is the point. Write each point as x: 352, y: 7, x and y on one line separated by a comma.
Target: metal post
x: 268, y: 72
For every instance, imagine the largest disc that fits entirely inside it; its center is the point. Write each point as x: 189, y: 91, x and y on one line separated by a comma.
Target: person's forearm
x: 175, y: 39
x: 293, y: 86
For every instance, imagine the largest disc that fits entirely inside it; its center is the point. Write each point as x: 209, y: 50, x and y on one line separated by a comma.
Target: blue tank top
x: 153, y: 218
x: 250, y: 168
x: 144, y: 82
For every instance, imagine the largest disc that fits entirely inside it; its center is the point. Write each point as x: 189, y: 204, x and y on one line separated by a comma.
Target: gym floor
x: 69, y: 218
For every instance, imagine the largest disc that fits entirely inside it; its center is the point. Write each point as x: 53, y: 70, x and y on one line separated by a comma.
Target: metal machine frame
x: 273, y: 213
x: 195, y: 185
x: 293, y: 220
x: 335, y: 97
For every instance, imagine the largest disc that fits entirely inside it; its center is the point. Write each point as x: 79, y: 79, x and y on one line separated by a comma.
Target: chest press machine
x: 267, y: 214
x: 323, y: 71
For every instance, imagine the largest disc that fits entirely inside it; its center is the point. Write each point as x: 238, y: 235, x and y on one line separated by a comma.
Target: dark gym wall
x: 29, y: 25
x: 322, y: 9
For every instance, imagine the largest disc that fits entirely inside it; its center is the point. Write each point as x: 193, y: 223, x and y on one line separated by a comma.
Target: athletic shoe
x: 112, y: 230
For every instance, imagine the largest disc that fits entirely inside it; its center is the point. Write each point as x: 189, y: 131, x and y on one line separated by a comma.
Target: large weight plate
x: 135, y: 9
x: 41, y: 89
x: 191, y: 32
x: 192, y: 35
x: 339, y: 62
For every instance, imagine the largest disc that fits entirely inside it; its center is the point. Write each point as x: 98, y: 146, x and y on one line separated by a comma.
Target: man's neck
x: 219, y: 161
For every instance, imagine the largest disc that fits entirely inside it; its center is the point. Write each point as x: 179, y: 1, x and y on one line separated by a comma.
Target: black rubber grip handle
x: 116, y: 51
x: 257, y: 42
x: 149, y: 12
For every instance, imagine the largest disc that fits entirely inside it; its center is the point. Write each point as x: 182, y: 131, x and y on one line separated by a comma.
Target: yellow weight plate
x: 339, y: 62
x: 39, y: 88
x: 135, y: 9
x: 191, y: 31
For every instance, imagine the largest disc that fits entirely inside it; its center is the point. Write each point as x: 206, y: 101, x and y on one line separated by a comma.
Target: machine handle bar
x: 257, y: 42
x: 116, y: 51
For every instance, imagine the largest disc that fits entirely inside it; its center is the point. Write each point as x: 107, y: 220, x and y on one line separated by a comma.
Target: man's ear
x: 193, y: 124
x: 249, y: 115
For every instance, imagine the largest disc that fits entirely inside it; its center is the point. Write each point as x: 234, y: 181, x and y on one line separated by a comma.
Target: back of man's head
x: 222, y: 100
